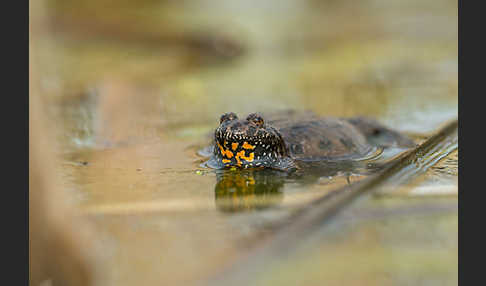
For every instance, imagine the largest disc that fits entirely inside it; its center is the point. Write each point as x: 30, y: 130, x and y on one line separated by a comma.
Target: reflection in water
x: 257, y: 189
x: 242, y: 190
x: 248, y: 189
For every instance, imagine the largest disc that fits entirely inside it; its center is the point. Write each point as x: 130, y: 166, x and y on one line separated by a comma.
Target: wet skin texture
x: 283, y: 142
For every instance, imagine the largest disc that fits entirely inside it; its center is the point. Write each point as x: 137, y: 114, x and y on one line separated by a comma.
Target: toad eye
x: 255, y: 119
x: 229, y: 116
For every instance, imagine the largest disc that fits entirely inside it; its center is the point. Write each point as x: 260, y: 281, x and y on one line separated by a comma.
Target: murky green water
x: 135, y: 90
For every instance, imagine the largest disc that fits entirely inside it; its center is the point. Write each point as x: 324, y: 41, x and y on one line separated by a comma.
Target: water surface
x: 135, y: 102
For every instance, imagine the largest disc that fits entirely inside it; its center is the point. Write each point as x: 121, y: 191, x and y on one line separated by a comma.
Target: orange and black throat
x: 247, y: 143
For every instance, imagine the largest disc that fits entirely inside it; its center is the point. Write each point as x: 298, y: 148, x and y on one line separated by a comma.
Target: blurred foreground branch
x: 61, y: 244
